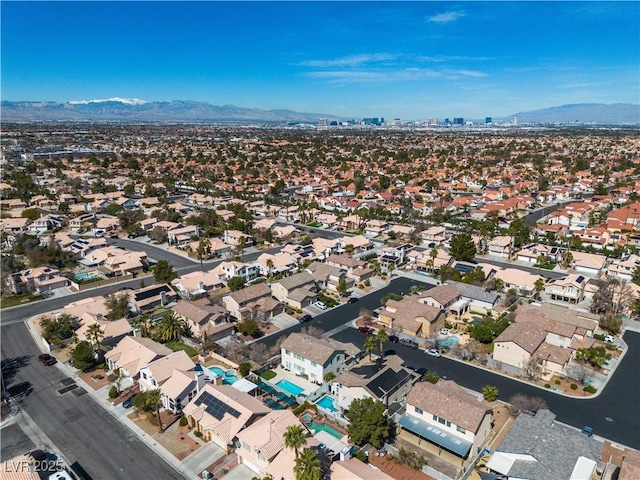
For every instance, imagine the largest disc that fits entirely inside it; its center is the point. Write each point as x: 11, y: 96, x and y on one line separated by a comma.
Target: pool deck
x: 281, y: 373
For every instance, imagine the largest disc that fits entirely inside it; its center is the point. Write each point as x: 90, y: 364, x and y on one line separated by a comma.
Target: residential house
x: 132, y: 354
x: 261, y: 445
x: 373, y: 228
x: 227, y: 270
x: 569, y: 289
x: 46, y: 222
x: 447, y: 416
x: 354, y: 469
x: 112, y: 330
x: 201, y: 317
x: 625, y: 268
x: 388, y: 384
x: 411, y: 317
x: 445, y: 297
x: 538, y: 448
x: 213, y: 247
x: 531, y: 253
x: 84, y: 246
x: 15, y: 225
x: 35, y: 280
x: 314, y: 358
x: 221, y: 412
x: 283, y: 231
x: 297, y: 291
x: 232, y: 238
x: 175, y: 376
x: 152, y: 296
x: 360, y: 243
x: 106, y: 224
x: 590, y: 264
x: 481, y: 300
x: 523, y: 282
x: 403, y: 231
x: 328, y: 277
x: 183, y: 235
x: 435, y: 234
x: 501, y: 246
x: 253, y: 302
x: 197, y: 284
x: 280, y: 263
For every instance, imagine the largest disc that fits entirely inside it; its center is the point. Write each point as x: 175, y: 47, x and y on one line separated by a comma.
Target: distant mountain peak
x: 126, y: 101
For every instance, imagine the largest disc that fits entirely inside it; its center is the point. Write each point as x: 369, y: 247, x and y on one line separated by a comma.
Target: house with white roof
x: 132, y: 354
x: 197, y: 284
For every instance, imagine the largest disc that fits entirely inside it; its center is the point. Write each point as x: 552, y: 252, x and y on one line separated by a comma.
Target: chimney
x: 199, y: 380
x: 201, y: 285
x: 345, y: 454
x: 163, y: 299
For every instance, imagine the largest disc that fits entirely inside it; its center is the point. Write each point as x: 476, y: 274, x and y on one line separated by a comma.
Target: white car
x: 609, y: 339
x: 320, y: 305
x: 433, y: 352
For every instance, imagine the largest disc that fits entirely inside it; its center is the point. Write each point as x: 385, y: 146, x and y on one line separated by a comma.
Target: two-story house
x: 445, y: 297
x: 197, y: 284
x: 131, y: 354
x: 227, y: 270
x: 501, y: 246
x: 315, y: 357
x: 328, y: 277
x: 569, y: 289
x: 411, y: 317
x: 297, y: 291
x: 254, y: 301
x: 201, y: 317
x: 445, y: 415
x: 36, y: 280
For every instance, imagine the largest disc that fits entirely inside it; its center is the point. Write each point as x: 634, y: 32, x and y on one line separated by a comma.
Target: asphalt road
x: 533, y: 270
x: 79, y: 427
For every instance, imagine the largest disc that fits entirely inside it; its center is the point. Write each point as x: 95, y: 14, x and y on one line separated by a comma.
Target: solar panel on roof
x: 216, y: 407
x: 464, y: 268
x: 580, y: 279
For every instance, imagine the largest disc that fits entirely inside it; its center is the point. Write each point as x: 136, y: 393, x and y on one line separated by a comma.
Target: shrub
x: 590, y: 389
x: 611, y: 346
x: 183, y: 421
x: 244, y: 368
x: 574, y: 386
x: 198, y: 433
x: 113, y: 392
x: 547, y: 385
x: 599, y: 336
x: 268, y: 374
x: 360, y: 455
x: 558, y: 381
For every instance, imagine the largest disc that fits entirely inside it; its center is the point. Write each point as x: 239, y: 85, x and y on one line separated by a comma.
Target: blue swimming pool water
x: 228, y: 376
x: 86, y: 275
x: 327, y: 403
x: 325, y: 428
x: 448, y: 342
x: 292, y: 388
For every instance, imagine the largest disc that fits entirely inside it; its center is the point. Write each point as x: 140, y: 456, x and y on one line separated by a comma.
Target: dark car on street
x: 47, y: 359
x: 394, y: 338
x: 128, y: 403
x: 305, y: 318
x: 352, y: 300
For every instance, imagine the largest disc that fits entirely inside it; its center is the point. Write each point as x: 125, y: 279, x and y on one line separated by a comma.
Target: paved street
x: 82, y: 430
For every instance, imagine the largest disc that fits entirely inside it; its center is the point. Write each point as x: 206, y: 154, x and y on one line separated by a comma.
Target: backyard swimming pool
x: 228, y: 376
x: 448, y: 342
x: 290, y: 387
x: 87, y: 275
x: 325, y: 428
x: 326, y: 402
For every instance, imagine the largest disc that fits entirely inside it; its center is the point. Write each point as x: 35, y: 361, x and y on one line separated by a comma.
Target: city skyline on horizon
x: 394, y: 60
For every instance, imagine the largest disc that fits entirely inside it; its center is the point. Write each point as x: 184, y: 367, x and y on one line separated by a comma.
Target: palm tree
x: 567, y: 259
x: 307, y: 466
x: 294, y: 438
x: 171, y: 327
x: 154, y: 399
x: 203, y: 246
x: 382, y: 336
x: 433, y: 254
x: 370, y: 344
x: 269, y: 267
x: 490, y: 393
x: 94, y: 335
x: 242, y: 243
x: 538, y: 286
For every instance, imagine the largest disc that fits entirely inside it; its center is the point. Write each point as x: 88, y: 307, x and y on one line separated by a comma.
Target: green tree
x: 171, y: 327
x: 431, y: 377
x: 498, y: 284
x: 163, y: 272
x: 82, y: 355
x: 154, y: 400
x: 342, y: 285
x: 249, y: 327
x: 595, y: 356
x: 307, y: 466
x: 382, y: 336
x: 611, y: 322
x: 368, y: 422
x: 244, y: 369
x: 538, y: 287
x: 490, y: 393
x: 94, y: 335
x: 370, y: 344
x: 57, y: 328
x: 235, y: 283
x: 204, y: 250
x: 462, y: 247
x: 30, y: 213
x: 117, y: 306
x: 294, y: 438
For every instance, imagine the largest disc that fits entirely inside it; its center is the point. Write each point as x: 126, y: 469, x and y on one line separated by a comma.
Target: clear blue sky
x: 409, y: 60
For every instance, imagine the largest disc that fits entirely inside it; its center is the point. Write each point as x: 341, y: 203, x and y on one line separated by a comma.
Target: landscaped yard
x: 19, y: 300
x: 176, y: 346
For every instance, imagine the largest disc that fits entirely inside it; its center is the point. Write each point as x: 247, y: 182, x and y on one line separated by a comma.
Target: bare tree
x: 312, y: 331
x: 579, y: 372
x: 258, y: 353
x: 532, y: 367
x: 520, y: 403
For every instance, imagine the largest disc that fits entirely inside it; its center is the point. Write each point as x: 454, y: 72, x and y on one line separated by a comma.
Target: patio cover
x: 435, y: 435
x: 244, y: 385
x: 330, y: 442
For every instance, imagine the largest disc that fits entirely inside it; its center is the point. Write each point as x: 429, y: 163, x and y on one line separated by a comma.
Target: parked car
x: 47, y: 359
x: 365, y: 329
x: 389, y: 352
x: 609, y: 339
x: 114, y: 235
x: 394, y: 338
x: 352, y: 300
x: 38, y: 455
x: 305, y: 318
x: 132, y: 235
x: 320, y: 305
x: 433, y: 352
x: 408, y: 343
x: 128, y: 403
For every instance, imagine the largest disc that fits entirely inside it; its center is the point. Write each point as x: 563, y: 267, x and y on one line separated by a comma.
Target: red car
x: 46, y: 359
x: 365, y: 329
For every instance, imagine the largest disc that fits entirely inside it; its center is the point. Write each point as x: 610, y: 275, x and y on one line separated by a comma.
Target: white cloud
x: 350, y: 61
x: 446, y: 17
x: 402, y: 75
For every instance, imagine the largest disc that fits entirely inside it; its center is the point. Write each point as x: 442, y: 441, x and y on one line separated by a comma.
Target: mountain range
x: 136, y: 110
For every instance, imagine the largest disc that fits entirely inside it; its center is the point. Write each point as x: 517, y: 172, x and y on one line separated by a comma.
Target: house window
x: 461, y: 430
x: 419, y: 411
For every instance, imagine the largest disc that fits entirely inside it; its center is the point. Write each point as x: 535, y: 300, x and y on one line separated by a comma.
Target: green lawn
x: 268, y: 374
x: 19, y: 300
x: 176, y: 346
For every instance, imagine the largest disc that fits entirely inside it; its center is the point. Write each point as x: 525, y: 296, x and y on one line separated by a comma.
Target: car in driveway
x: 128, y: 403
x: 394, y: 338
x: 408, y: 343
x: 47, y: 359
x: 305, y: 318
x: 609, y: 339
x: 365, y: 329
x: 433, y: 352
x: 320, y: 305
